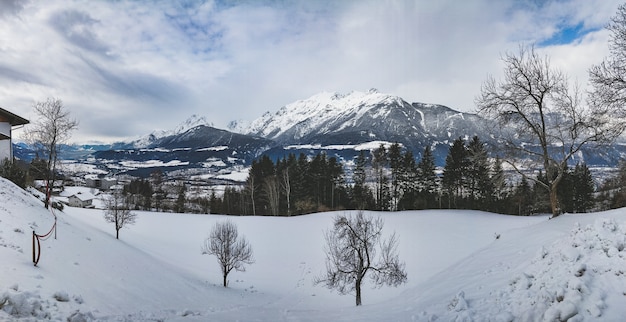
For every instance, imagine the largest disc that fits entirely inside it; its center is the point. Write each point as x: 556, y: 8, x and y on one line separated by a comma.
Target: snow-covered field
x: 461, y: 265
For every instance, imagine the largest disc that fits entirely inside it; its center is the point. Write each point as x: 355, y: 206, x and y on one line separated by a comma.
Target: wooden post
x: 34, y: 263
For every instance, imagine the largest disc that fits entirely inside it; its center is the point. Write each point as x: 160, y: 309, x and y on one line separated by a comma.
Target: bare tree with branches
x: 231, y: 251
x: 272, y: 193
x: 354, y: 249
x: 609, y: 77
x: 118, y: 211
x: 543, y: 121
x: 285, y: 183
x: 52, y: 128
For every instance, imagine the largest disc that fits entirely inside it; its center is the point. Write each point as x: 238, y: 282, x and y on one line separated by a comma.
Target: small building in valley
x: 80, y: 200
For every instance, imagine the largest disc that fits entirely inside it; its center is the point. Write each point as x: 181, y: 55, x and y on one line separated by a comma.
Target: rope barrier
x: 37, y: 242
x: 37, y: 238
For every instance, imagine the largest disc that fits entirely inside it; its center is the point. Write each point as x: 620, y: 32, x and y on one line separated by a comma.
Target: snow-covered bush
x: 22, y: 304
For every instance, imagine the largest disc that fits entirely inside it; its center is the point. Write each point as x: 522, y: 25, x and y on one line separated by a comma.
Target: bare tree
x: 609, y: 77
x: 285, y: 183
x: 118, y: 211
x: 543, y: 120
x: 351, y: 253
x: 231, y: 252
x: 251, y: 188
x: 272, y: 193
x: 52, y: 128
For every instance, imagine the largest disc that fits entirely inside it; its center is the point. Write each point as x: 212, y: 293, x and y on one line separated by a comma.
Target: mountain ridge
x: 328, y: 122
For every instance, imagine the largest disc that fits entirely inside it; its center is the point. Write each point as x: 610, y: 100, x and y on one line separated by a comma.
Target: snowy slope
x: 537, y: 269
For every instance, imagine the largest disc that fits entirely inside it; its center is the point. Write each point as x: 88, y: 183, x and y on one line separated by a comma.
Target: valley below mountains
x: 340, y: 125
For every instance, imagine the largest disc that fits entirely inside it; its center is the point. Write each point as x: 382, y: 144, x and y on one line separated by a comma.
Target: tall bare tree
x: 354, y: 249
x: 52, y: 128
x: 272, y: 193
x: 543, y: 120
x: 285, y: 184
x: 609, y: 77
x: 118, y: 212
x: 231, y: 251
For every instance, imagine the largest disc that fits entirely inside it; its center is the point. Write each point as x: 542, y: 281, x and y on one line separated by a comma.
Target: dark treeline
x: 289, y: 186
x: 391, y: 179
x: 386, y: 179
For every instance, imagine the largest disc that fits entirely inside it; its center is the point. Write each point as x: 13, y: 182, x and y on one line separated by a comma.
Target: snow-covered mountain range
x: 358, y: 117
x: 339, y: 124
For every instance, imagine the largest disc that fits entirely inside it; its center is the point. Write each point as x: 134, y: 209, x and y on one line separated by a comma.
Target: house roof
x: 83, y: 196
x: 14, y: 119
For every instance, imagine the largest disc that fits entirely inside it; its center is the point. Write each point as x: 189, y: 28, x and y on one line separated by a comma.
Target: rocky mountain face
x: 358, y: 117
x: 334, y: 119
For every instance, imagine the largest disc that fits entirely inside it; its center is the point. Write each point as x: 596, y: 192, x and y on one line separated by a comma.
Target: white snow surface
x: 461, y: 266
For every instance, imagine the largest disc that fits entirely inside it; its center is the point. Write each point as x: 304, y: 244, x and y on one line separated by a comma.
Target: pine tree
x: 478, y: 179
x: 379, y: 165
x: 454, y: 172
x: 427, y: 181
x: 523, y: 198
x: 408, y: 182
x: 394, y: 156
x: 181, y: 199
x: 584, y: 187
x: 335, y: 178
x: 215, y: 204
x: 565, y: 191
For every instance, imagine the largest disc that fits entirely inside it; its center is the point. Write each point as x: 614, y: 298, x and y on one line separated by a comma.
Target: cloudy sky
x: 126, y: 68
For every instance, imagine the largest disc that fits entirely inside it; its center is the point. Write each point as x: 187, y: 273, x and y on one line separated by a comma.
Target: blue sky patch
x: 566, y: 35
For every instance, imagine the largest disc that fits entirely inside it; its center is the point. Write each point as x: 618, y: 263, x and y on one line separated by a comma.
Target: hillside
x: 537, y: 269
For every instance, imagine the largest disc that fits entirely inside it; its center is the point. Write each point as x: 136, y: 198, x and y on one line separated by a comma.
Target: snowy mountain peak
x: 190, y: 123
x: 320, y: 113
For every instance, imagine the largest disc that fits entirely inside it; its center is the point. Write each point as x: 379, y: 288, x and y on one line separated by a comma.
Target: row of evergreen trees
x: 391, y: 179
x: 388, y: 178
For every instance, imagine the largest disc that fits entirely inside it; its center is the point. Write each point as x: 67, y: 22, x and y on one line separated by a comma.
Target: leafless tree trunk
x: 543, y: 121
x: 231, y: 252
x: 286, y: 185
x: 272, y: 193
x: 351, y: 252
x: 118, y: 211
x: 251, y: 189
x: 52, y: 128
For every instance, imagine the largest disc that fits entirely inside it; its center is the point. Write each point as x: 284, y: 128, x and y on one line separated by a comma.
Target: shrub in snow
x: 22, y: 305
x: 80, y: 317
x: 61, y: 296
x: 78, y: 299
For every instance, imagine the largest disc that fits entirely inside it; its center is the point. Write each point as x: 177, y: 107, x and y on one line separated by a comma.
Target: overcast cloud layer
x: 126, y: 68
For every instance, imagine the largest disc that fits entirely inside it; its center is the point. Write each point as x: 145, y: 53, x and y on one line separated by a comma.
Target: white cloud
x: 126, y: 68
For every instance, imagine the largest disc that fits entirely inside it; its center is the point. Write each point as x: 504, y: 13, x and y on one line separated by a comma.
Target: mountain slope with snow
x: 461, y: 265
x: 357, y: 117
x: 153, y: 138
